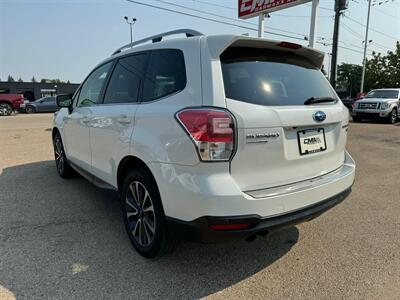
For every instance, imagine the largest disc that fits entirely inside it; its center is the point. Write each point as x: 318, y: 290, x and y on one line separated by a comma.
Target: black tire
x: 6, y: 108
x: 393, y: 116
x: 144, y: 215
x: 356, y: 119
x: 30, y: 109
x: 64, y: 169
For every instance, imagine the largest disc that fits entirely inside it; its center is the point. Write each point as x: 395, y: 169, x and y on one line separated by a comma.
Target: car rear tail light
x: 229, y: 226
x: 289, y: 45
x: 212, y: 132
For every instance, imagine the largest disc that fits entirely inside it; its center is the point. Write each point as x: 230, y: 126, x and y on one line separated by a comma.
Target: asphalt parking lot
x: 65, y: 238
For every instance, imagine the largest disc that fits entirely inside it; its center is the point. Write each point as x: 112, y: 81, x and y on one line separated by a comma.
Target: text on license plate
x: 311, y: 141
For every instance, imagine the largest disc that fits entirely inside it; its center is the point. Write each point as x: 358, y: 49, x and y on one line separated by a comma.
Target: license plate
x: 311, y: 141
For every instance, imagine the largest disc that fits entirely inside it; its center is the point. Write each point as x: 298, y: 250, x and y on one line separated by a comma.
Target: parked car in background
x: 209, y: 138
x: 378, y: 104
x: 45, y: 104
x: 348, y: 102
x: 23, y: 105
x: 10, y: 102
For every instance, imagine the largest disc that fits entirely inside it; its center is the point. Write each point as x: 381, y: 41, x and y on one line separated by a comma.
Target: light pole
x: 365, y: 49
x: 130, y: 25
x: 340, y: 5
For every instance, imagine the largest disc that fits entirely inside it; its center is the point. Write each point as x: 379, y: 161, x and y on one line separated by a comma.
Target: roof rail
x: 158, y: 38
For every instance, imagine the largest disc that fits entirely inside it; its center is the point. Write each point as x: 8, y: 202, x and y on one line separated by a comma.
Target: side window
x: 91, y: 90
x: 126, y: 80
x: 165, y: 74
x: 49, y: 99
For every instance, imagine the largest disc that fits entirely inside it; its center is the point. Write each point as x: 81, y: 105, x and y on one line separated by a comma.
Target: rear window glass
x: 165, y: 75
x: 268, y: 77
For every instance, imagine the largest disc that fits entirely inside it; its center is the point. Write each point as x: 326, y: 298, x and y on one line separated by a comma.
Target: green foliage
x: 349, y: 78
x: 10, y: 78
x: 45, y: 80
x: 382, y: 71
x: 33, y: 79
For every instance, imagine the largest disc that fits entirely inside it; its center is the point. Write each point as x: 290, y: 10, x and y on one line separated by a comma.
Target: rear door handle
x: 124, y: 120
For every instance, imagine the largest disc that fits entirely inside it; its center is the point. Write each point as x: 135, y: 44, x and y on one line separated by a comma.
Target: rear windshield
x: 383, y: 94
x: 268, y: 77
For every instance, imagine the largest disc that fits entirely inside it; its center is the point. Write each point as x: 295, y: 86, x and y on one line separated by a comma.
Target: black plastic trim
x: 92, y: 178
x: 198, y: 230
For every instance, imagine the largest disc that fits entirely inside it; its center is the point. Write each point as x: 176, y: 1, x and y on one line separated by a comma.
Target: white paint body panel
x: 189, y: 188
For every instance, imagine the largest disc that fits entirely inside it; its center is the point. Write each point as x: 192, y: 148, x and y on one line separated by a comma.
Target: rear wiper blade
x: 314, y: 100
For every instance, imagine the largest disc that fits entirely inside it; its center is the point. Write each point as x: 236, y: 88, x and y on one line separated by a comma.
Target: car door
x: 52, y: 105
x: 76, y: 124
x: 46, y: 104
x: 112, y: 122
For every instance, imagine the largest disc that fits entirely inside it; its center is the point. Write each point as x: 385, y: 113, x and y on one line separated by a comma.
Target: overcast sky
x: 66, y: 38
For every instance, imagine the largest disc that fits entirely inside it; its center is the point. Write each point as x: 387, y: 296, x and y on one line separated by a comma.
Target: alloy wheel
x: 394, y: 116
x: 59, y: 155
x: 140, y: 214
x: 6, y: 109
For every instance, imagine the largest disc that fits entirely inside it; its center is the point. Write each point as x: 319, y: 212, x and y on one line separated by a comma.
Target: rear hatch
x: 282, y: 138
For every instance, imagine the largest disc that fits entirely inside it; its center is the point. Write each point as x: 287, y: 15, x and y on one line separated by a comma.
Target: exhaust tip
x: 254, y: 236
x: 251, y: 238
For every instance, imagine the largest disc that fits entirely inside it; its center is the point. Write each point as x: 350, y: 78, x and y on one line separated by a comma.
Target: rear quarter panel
x: 157, y: 135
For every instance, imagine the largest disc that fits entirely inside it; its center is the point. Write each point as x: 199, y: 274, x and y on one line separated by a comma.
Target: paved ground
x: 65, y: 239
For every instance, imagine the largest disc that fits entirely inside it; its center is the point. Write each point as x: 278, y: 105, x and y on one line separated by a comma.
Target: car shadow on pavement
x: 66, y: 239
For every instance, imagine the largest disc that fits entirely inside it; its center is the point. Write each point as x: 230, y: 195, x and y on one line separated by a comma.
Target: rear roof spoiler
x: 217, y: 44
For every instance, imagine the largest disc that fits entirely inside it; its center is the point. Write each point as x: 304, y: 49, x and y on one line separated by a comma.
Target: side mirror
x: 64, y: 101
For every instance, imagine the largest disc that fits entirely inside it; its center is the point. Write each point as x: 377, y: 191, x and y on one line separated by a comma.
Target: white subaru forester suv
x: 208, y: 138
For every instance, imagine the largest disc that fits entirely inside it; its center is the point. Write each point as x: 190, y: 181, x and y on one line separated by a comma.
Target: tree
x: 10, y: 78
x: 20, y: 80
x: 349, y: 78
x: 383, y: 71
x: 33, y: 79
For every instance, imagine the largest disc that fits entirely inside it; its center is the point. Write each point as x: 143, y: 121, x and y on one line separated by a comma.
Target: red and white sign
x: 251, y: 8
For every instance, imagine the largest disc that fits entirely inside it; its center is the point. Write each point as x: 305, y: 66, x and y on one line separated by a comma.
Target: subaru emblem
x: 319, y: 116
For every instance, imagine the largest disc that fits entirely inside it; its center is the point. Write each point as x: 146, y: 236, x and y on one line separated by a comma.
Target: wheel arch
x: 54, y: 132
x: 129, y: 163
x: 5, y: 101
x: 32, y: 106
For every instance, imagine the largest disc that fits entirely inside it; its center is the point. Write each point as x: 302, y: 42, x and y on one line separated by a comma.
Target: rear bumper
x: 199, y: 229
x: 17, y: 104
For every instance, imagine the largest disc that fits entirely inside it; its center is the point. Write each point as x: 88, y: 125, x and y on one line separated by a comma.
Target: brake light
x: 211, y: 130
x: 289, y: 45
x: 229, y: 226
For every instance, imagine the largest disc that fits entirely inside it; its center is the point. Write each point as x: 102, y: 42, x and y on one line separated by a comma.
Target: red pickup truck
x: 10, y: 102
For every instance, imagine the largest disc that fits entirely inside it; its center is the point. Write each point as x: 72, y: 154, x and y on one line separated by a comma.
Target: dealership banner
x: 251, y: 8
